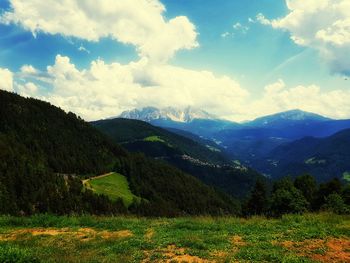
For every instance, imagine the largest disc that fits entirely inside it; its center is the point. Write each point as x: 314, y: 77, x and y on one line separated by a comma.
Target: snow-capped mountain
x: 185, y: 115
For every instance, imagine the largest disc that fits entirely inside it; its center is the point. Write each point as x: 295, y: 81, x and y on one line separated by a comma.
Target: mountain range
x: 188, y: 119
x: 255, y: 142
x: 150, y: 114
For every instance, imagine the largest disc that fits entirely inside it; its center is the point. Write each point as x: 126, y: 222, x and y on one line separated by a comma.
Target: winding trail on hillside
x: 97, y: 177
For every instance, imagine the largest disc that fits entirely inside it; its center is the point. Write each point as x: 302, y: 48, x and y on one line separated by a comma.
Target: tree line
x: 303, y: 194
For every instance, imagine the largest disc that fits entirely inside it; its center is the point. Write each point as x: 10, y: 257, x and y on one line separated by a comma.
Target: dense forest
x: 45, y: 153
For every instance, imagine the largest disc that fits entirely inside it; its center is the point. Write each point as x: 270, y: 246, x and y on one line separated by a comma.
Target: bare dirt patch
x: 84, y: 234
x: 331, y: 250
x: 238, y: 241
x: 173, y: 254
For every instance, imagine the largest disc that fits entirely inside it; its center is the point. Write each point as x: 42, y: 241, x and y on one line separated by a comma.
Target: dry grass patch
x: 83, y: 234
x: 172, y: 254
x: 237, y: 241
x: 149, y: 233
x: 331, y: 250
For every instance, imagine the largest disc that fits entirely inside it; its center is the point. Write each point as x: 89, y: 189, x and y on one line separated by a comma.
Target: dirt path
x: 96, y: 177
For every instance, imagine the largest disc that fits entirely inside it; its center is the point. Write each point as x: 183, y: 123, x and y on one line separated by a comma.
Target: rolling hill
x: 322, y: 157
x: 208, y: 162
x: 158, y: 142
x: 45, y: 154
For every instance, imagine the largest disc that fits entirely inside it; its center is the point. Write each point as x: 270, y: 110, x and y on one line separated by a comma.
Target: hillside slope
x: 206, y: 162
x: 322, y: 157
x: 45, y: 153
x: 133, y: 132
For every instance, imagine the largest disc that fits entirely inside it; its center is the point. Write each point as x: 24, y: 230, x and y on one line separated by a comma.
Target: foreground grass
x: 294, y: 238
x: 113, y: 185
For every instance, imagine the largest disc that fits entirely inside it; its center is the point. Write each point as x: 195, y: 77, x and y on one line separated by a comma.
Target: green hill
x: 206, y: 161
x: 131, y: 132
x: 45, y: 154
x: 324, y: 158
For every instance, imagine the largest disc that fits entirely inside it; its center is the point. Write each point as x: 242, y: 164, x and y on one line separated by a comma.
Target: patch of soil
x: 173, y: 254
x: 331, y: 250
x: 84, y: 234
x: 238, y: 241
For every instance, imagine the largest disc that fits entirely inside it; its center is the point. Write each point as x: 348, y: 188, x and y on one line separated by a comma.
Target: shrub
x: 335, y: 204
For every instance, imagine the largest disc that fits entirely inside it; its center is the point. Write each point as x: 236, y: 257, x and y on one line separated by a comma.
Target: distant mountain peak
x: 185, y: 115
x: 290, y: 115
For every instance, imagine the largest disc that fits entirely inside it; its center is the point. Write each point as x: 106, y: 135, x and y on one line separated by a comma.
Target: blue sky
x: 228, y: 40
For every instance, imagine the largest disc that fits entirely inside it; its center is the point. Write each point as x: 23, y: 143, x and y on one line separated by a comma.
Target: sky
x: 237, y: 59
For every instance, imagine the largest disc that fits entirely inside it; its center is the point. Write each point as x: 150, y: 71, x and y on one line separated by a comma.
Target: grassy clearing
x: 113, y: 185
x: 154, y: 139
x: 346, y: 176
x: 294, y: 238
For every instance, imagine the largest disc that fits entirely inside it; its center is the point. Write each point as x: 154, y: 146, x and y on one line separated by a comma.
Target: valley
x: 265, y: 144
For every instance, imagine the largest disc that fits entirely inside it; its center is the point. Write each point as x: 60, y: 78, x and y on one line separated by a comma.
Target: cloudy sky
x: 238, y: 59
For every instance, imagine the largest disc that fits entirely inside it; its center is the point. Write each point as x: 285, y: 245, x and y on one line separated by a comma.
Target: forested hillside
x: 45, y: 152
x: 129, y: 132
x: 206, y: 161
x: 325, y: 158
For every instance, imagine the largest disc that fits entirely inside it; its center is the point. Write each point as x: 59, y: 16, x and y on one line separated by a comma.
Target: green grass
x: 226, y: 239
x: 154, y: 139
x: 346, y: 176
x: 114, y: 186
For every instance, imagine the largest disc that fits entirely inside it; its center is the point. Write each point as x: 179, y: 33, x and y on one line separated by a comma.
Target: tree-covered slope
x: 66, y: 143
x: 205, y: 161
x: 324, y: 158
x: 45, y: 153
x: 129, y: 132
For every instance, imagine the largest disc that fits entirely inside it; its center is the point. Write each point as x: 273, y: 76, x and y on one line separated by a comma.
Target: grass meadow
x: 293, y: 238
x: 113, y: 185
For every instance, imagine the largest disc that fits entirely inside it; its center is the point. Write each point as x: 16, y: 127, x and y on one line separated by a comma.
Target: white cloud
x: 137, y: 22
x: 83, y: 49
x: 28, y: 69
x: 262, y: 19
x: 239, y: 27
x: 6, y: 79
x: 28, y: 89
x: 105, y: 90
x: 278, y: 97
x: 323, y: 25
x: 225, y: 34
